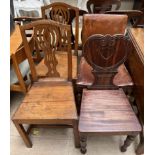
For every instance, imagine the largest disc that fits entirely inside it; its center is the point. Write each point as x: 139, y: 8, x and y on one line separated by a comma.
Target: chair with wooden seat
x: 134, y: 16
x: 50, y: 100
x: 101, y: 24
x: 102, y: 6
x: 64, y: 13
x: 105, y: 109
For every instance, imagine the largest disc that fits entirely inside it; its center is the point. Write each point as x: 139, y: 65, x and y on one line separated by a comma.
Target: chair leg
x: 127, y: 142
x: 23, y: 134
x: 83, y: 143
x: 76, y: 134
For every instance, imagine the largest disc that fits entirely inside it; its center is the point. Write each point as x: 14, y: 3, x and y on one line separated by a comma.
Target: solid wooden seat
x: 61, y: 67
x: 107, y: 111
x: 47, y: 101
x: 50, y: 100
x: 85, y: 77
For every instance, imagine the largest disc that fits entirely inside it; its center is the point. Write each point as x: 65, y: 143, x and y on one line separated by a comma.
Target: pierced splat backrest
x: 100, y: 6
x: 47, y: 36
x: 105, y: 54
x: 63, y: 13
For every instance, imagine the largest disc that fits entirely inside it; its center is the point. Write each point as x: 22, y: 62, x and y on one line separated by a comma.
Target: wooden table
x: 17, y: 55
x: 135, y: 65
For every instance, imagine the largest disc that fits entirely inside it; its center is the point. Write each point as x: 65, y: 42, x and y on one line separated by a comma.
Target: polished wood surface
x: 17, y: 55
x: 44, y: 101
x: 107, y: 111
x: 135, y: 65
x: 137, y: 36
x: 15, y: 40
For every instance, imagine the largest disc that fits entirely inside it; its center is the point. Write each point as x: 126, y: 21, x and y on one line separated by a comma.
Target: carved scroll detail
x: 60, y: 14
x: 105, y: 54
x: 47, y: 39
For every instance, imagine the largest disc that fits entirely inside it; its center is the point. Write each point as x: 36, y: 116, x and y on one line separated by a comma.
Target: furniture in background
x: 27, y: 5
x: 19, y: 64
x: 101, y: 6
x: 135, y: 66
x: 134, y: 16
x: 101, y: 24
x: 63, y: 13
x: 50, y: 100
x: 105, y: 109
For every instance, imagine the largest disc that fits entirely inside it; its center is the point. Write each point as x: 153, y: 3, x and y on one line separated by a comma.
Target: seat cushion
x: 86, y: 78
x: 47, y: 100
x: 107, y: 111
x: 61, y: 67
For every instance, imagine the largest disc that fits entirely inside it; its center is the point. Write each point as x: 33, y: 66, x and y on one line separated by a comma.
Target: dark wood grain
x: 105, y: 54
x: 106, y: 109
x: 135, y: 65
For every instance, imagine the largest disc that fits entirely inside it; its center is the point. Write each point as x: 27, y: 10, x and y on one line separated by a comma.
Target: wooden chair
x: 101, y: 24
x: 134, y: 16
x: 105, y: 109
x: 102, y: 5
x: 50, y: 100
x: 63, y: 13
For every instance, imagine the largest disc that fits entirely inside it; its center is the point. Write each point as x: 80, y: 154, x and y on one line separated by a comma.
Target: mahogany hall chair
x: 105, y: 109
x: 134, y: 16
x: 64, y: 13
x: 101, y: 24
x: 50, y: 100
x: 102, y: 6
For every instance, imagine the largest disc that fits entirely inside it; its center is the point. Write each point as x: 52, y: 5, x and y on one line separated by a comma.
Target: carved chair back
x: 63, y: 13
x: 102, y: 6
x: 50, y: 37
x: 105, y: 53
x: 134, y: 16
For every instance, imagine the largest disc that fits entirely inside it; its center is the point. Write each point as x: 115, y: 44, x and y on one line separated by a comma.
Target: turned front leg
x: 127, y: 142
x: 83, y: 144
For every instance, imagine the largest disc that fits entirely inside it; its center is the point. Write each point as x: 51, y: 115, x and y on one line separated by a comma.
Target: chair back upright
x: 101, y: 6
x: 103, y: 24
x: 47, y: 36
x: 105, y: 53
x: 63, y: 13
